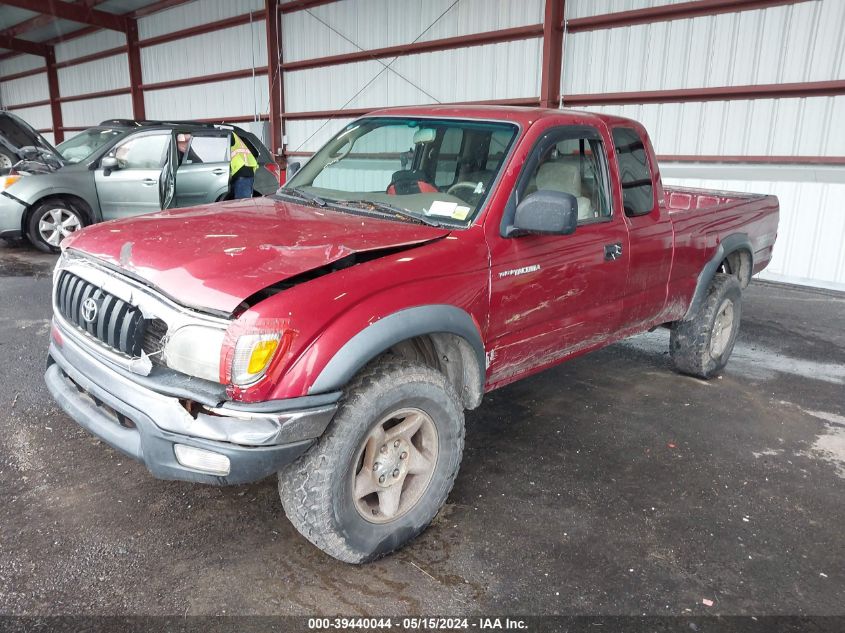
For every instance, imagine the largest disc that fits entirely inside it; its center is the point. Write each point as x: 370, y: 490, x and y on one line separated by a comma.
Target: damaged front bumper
x: 148, y: 421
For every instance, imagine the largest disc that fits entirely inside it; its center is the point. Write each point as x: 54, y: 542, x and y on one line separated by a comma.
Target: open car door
x: 137, y: 175
x: 167, y: 181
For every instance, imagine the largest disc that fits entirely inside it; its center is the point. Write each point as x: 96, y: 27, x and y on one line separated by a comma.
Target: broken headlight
x: 195, y: 350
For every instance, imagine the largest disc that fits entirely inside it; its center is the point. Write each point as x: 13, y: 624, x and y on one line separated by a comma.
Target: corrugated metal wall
x: 26, y: 89
x: 236, y: 48
x: 494, y: 71
x: 800, y: 42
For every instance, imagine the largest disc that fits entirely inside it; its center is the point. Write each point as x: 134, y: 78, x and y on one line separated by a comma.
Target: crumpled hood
x: 213, y: 257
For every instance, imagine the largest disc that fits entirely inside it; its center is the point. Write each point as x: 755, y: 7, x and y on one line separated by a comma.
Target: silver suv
x: 122, y: 168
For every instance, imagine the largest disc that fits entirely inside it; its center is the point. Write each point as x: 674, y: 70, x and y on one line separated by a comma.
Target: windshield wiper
x: 389, y: 208
x: 301, y: 193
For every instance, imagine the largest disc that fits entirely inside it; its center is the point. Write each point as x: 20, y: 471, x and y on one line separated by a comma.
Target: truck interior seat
x: 565, y: 175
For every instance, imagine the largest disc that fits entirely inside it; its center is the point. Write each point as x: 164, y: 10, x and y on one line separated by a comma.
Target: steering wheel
x: 463, y: 185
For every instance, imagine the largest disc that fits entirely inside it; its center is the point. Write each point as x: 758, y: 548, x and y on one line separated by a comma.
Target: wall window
x: 637, y: 188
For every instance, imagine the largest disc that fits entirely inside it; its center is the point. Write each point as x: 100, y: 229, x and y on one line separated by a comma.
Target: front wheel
x: 51, y: 222
x: 384, y: 467
x: 702, y: 345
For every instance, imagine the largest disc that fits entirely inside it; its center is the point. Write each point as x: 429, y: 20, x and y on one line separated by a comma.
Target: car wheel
x: 51, y: 222
x: 702, y: 345
x: 383, y: 468
x: 7, y: 159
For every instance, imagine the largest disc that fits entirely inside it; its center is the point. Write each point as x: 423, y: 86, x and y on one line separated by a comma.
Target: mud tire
x: 317, y: 491
x: 691, y: 343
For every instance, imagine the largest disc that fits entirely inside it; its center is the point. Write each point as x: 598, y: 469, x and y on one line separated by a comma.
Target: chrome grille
x: 116, y: 323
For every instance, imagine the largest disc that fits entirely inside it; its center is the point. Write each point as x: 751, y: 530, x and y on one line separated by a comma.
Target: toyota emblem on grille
x: 89, y: 310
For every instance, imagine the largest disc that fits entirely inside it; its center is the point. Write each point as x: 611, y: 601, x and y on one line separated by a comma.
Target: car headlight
x: 253, y: 353
x: 195, y: 350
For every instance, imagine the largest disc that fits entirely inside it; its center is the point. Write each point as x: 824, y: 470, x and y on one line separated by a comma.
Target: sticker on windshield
x: 442, y: 208
x: 460, y: 213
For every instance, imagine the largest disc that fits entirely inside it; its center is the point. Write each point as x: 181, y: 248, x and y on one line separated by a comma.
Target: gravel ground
x: 608, y: 485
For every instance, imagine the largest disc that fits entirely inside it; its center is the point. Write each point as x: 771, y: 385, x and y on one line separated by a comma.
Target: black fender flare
x: 379, y: 337
x: 731, y: 244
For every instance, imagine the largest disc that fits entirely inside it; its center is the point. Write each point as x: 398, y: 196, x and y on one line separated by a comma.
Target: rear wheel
x: 383, y: 468
x: 51, y: 222
x: 702, y: 345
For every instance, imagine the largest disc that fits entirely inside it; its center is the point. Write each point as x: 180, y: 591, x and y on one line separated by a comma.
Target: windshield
x: 436, y: 169
x: 86, y: 143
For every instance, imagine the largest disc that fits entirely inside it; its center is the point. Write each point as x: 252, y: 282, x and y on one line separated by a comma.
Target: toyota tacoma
x: 333, y: 334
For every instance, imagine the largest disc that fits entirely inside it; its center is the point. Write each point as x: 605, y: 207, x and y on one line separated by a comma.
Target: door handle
x: 149, y: 181
x: 218, y: 172
x: 612, y: 252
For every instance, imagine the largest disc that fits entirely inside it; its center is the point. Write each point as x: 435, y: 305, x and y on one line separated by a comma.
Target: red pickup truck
x: 335, y: 332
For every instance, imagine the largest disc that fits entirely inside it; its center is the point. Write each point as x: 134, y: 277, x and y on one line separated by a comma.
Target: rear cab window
x: 634, y: 172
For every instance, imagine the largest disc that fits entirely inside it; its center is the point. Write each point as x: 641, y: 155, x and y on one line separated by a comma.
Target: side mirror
x: 109, y: 163
x: 291, y: 169
x: 546, y: 212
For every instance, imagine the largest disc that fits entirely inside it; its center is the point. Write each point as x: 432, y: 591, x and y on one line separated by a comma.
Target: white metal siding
x: 812, y: 225
x: 89, y: 44
x: 204, y: 101
x: 90, y: 112
x: 38, y: 117
x: 785, y: 44
x: 20, y: 64
x: 586, y: 8
x: 765, y: 127
x: 24, y: 90
x: 493, y: 71
x: 206, y: 54
x: 109, y: 73
x: 193, y: 14
x: 380, y: 23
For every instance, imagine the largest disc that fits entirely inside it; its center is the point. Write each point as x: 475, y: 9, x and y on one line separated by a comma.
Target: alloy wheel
x: 395, y: 465
x: 57, y: 224
x: 722, y: 329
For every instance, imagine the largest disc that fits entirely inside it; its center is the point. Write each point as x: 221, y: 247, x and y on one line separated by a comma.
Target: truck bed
x: 689, y: 198
x: 701, y: 219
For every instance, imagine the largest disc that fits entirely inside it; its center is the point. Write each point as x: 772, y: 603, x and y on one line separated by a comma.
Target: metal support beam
x: 136, y: 79
x: 553, y: 25
x: 73, y: 12
x: 665, y: 12
x: 274, y: 76
x: 22, y: 46
x: 299, y: 5
x: 53, y: 89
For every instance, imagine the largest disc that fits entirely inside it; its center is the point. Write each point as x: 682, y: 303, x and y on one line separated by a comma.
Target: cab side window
x: 634, y: 172
x: 573, y: 162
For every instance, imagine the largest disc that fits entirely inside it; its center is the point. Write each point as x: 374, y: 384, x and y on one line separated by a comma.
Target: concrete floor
x: 609, y: 485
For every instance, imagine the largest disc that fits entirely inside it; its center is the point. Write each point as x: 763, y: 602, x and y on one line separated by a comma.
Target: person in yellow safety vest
x: 242, y: 166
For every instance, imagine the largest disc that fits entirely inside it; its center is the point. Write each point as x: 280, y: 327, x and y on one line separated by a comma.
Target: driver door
x: 144, y: 179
